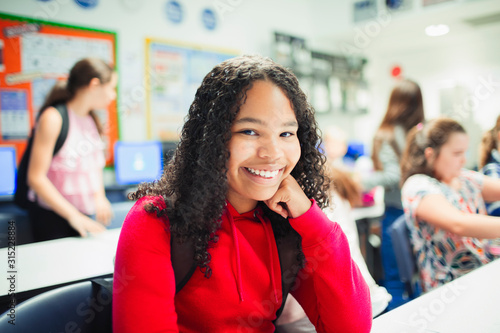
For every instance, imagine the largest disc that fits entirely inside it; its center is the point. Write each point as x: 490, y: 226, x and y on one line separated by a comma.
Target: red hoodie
x: 244, y: 291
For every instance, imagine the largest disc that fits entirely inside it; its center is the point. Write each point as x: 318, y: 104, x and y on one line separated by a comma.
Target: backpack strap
x: 289, y: 252
x: 63, y: 111
x: 182, y: 258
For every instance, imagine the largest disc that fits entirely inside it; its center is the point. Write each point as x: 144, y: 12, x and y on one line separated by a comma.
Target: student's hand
x: 84, y: 224
x: 289, y: 200
x: 103, y: 210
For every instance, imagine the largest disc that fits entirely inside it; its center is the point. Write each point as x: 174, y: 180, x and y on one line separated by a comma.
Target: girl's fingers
x: 277, y: 207
x: 289, y: 200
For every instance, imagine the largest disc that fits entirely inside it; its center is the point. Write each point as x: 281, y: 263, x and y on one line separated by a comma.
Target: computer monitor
x: 137, y: 162
x: 8, y: 170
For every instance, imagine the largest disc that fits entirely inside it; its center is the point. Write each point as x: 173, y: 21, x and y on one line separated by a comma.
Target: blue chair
x: 83, y: 307
x: 405, y: 259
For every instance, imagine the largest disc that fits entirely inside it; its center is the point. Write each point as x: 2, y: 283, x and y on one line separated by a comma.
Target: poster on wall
x: 173, y: 73
x: 34, y: 55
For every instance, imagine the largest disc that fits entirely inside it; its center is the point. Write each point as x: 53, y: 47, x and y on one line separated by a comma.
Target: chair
x: 404, y: 256
x: 83, y: 307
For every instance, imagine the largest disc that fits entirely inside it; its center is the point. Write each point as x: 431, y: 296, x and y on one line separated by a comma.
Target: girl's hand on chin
x: 289, y: 200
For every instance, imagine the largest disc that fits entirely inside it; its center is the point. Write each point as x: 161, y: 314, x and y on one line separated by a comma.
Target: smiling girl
x: 244, y: 192
x: 444, y: 204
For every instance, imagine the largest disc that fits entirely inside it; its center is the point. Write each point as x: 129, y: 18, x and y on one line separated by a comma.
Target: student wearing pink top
x: 68, y: 187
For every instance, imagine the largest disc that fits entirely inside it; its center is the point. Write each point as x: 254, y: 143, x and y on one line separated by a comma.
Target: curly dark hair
x: 194, y: 184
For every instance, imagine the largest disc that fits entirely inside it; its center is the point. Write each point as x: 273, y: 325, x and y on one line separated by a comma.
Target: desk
x: 364, y: 217
x: 467, y: 304
x: 57, y: 262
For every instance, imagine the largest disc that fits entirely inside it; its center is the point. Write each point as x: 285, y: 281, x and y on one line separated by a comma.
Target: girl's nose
x: 270, y: 149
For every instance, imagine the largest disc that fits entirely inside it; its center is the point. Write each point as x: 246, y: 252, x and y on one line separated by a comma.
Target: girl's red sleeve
x: 144, y: 282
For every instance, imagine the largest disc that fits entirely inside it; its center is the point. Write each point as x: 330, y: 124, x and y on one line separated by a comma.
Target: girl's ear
x: 498, y: 139
x: 429, y: 154
x: 94, y: 82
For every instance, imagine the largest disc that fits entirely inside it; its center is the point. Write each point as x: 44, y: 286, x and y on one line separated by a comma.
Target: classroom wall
x: 459, y: 62
x: 244, y: 26
x: 463, y: 65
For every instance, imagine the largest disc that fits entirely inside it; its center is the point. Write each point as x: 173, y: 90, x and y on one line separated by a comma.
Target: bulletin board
x: 174, y: 71
x: 34, y: 54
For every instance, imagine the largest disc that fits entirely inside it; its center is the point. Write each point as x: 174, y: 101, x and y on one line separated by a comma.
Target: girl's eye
x: 248, y: 132
x: 287, y: 134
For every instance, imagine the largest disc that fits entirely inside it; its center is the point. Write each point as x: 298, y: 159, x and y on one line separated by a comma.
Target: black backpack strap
x: 289, y: 254
x: 182, y: 258
x: 63, y: 111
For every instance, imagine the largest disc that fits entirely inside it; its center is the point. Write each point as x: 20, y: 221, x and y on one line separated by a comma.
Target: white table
x: 467, y: 304
x: 59, y: 261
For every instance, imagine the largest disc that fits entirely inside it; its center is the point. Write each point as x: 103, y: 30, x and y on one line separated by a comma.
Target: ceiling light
x: 437, y: 30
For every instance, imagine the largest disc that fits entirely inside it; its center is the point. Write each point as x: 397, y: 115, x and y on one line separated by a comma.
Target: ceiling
x: 468, y: 21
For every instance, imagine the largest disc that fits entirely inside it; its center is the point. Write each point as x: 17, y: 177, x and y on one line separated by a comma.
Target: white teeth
x: 264, y: 173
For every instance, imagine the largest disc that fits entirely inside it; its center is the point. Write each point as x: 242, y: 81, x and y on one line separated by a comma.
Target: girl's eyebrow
x: 291, y: 123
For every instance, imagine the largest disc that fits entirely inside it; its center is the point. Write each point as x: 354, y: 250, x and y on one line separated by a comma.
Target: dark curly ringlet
x: 194, y: 184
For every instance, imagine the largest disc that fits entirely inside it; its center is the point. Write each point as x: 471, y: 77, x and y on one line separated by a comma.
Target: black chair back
x: 405, y: 259
x: 83, y: 307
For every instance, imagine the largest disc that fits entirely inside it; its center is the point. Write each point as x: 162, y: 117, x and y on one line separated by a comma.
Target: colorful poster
x: 14, y: 114
x: 173, y: 74
x: 33, y: 55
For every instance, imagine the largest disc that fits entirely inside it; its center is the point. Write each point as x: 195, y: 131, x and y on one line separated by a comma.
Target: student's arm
x: 436, y: 210
x: 103, y: 210
x: 330, y: 288
x: 44, y: 142
x: 144, y: 282
x: 491, y: 189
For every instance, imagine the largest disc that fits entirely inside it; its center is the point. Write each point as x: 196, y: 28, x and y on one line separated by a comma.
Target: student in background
x: 405, y: 110
x: 346, y: 194
x: 489, y: 161
x: 245, y: 179
x: 444, y: 204
x: 68, y: 187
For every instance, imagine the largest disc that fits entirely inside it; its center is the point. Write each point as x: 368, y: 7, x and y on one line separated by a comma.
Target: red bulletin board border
x: 11, y: 51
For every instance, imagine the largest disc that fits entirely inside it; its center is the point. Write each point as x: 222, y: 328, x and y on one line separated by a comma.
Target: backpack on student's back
x: 21, y: 194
